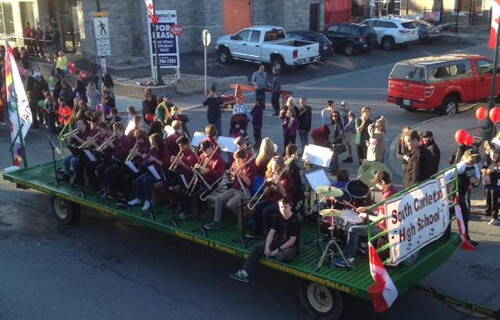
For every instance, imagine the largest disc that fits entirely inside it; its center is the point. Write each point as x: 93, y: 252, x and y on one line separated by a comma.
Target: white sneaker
x: 493, y: 222
x: 147, y: 205
x: 134, y: 202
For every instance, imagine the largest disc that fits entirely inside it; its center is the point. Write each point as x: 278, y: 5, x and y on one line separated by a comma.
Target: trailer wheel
x: 321, y: 302
x: 66, y: 212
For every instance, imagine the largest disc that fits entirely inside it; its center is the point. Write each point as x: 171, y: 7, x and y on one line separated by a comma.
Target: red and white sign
x: 151, y: 11
x: 495, y: 18
x: 177, y: 30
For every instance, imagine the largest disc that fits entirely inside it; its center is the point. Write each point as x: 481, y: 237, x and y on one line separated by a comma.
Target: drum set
x: 335, y: 221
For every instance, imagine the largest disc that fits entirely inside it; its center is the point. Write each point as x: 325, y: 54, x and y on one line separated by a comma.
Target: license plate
x: 406, y: 103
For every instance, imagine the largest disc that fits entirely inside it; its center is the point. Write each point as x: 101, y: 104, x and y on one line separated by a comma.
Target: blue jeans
x: 304, y: 139
x: 71, y: 164
x: 144, y: 187
x: 355, y: 232
x: 218, y: 125
x: 264, y: 210
x: 261, y: 94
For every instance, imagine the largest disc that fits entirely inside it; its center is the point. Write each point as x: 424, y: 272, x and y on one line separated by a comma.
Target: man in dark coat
x: 305, y: 120
x: 418, y: 167
x: 433, y: 148
x: 36, y: 86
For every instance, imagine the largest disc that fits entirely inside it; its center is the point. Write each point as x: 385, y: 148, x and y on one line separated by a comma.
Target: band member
x: 282, y: 242
x: 102, y: 134
x: 141, y: 146
x: 211, y: 166
x: 278, y: 185
x: 108, y: 173
x: 171, y: 140
x: 242, y: 144
x: 158, y: 157
x: 136, y: 125
x: 242, y: 173
x: 266, y: 153
x: 383, y: 182
x: 76, y: 138
x: 211, y: 133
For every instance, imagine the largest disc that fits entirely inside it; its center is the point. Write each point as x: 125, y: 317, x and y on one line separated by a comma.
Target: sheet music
x: 168, y: 131
x: 319, y: 156
x: 90, y: 155
x: 227, y: 144
x: 131, y: 166
x: 317, y: 178
x: 155, y: 173
x: 130, y: 126
x: 184, y: 181
x: 197, y: 137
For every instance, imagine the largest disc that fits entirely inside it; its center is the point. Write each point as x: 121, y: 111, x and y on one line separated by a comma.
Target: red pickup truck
x: 440, y: 83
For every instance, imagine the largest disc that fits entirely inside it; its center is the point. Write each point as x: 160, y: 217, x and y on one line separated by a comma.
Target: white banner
x: 417, y: 218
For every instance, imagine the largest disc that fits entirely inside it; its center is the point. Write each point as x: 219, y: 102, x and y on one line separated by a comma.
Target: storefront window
x: 7, y: 18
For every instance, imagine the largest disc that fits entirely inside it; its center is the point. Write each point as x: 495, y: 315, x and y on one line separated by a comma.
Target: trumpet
x: 132, y: 151
x: 258, y: 195
x: 90, y: 141
x: 106, y: 143
x: 200, y: 171
x: 174, y: 165
x: 71, y: 133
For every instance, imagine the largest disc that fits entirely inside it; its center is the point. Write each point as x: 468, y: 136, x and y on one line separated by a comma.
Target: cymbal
x: 330, y: 213
x: 369, y: 169
x: 329, y: 191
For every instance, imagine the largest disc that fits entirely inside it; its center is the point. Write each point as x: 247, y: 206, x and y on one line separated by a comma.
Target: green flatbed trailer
x: 322, y: 290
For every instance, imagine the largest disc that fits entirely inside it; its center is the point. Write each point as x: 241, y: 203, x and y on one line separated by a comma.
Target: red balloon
x: 469, y: 141
x: 72, y: 70
x: 83, y: 74
x: 481, y: 113
x: 461, y: 136
x: 71, y: 65
x: 495, y: 115
x: 149, y: 117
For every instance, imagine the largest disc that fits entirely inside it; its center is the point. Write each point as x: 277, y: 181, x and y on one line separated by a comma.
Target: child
x: 491, y: 181
x: 257, y: 115
x: 131, y: 113
x: 290, y: 127
x: 114, y: 116
x: 48, y: 105
x: 64, y: 112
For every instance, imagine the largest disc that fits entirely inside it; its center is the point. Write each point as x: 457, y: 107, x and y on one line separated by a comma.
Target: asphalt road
x: 108, y: 269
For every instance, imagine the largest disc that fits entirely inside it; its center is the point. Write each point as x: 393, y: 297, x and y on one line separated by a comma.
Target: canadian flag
x: 461, y: 229
x: 383, y: 292
x: 151, y: 11
x: 495, y: 18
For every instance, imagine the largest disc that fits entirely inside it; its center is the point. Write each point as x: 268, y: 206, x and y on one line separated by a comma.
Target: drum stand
x: 329, y: 251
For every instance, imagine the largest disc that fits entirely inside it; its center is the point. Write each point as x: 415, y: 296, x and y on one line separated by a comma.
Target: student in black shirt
x: 282, y: 242
x: 213, y: 111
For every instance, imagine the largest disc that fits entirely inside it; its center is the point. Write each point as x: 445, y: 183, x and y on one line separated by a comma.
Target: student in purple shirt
x: 290, y: 127
x: 257, y: 115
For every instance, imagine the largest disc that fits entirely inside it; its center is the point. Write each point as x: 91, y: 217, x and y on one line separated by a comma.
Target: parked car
x: 325, y: 45
x: 350, y: 38
x: 394, y: 31
x: 440, y: 83
x: 427, y: 31
x: 266, y: 44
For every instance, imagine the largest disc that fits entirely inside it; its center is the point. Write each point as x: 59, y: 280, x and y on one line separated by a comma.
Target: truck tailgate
x: 406, y: 89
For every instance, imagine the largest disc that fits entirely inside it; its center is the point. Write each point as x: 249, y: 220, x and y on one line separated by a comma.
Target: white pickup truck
x: 266, y: 44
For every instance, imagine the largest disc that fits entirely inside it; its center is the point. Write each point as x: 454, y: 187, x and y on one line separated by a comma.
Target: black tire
x: 349, y: 50
x: 449, y: 106
x: 67, y: 213
x: 320, y: 301
x: 388, y: 43
x: 278, y: 62
x: 224, y: 56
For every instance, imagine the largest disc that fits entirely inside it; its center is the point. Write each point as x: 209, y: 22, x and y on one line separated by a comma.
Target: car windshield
x: 408, y: 72
x: 274, y: 34
x: 425, y: 23
x: 409, y: 25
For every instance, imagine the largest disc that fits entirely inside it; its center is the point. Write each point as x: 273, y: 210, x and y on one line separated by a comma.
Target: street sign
x: 99, y: 14
x: 168, y: 43
x: 177, y: 30
x: 101, y: 32
x: 206, y: 38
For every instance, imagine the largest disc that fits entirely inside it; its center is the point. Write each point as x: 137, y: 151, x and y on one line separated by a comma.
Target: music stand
x: 53, y: 149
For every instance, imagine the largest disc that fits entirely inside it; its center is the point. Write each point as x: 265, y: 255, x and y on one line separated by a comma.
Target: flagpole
x: 159, y: 80
x: 487, y: 129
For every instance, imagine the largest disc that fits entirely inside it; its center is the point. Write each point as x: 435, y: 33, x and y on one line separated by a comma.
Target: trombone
x: 174, y: 165
x: 106, y: 143
x: 132, y: 151
x: 258, y: 195
x: 199, y: 172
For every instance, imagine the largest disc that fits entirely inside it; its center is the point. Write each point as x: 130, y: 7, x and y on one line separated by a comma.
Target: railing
x: 452, y: 192
x: 67, y: 126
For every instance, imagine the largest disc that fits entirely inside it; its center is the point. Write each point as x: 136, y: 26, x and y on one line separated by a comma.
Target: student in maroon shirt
x: 171, y: 140
x: 211, y: 133
x: 158, y: 157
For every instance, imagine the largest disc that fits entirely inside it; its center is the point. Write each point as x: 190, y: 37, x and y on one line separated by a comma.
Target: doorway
x: 314, y: 17
x: 69, y: 29
x: 237, y: 15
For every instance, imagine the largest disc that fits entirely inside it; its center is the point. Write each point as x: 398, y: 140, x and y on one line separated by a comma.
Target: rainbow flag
x: 17, y: 102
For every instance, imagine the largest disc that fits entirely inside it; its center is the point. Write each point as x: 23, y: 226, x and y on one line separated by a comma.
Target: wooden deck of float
x: 355, y: 282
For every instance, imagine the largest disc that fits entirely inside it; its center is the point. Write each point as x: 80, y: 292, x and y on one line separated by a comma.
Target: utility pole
x: 159, y: 80
x: 98, y: 5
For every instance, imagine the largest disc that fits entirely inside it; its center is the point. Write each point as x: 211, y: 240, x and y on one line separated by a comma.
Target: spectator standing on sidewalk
x: 62, y: 64
x: 376, y: 143
x: 257, y: 116
x: 290, y: 126
x: 290, y: 103
x: 433, y: 148
x: 362, y: 136
x: 419, y: 160
x: 336, y: 138
x: 214, y: 114
x: 276, y: 87
x: 149, y: 105
x: 349, y: 134
x: 305, y: 120
x: 93, y: 95
x: 260, y: 83
x: 402, y: 152
x: 326, y: 114
x: 37, y: 87
x: 491, y: 181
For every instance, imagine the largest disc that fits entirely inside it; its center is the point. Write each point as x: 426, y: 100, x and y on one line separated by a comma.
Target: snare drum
x: 334, y: 228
